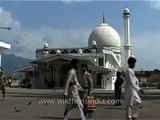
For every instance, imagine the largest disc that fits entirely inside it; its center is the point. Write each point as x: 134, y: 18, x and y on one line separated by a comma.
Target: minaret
x: 104, y: 19
x: 127, y: 45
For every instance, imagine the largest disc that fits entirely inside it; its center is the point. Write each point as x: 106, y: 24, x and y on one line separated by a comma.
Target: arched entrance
x: 51, y: 80
x: 63, y: 74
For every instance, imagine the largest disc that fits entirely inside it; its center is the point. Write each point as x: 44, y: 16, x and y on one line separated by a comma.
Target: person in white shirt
x: 132, y: 99
x: 71, y: 92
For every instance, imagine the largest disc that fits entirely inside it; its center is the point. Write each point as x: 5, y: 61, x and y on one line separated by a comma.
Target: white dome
x: 80, y: 51
x: 105, y: 36
x: 46, y: 45
x: 58, y: 51
x: 126, y: 11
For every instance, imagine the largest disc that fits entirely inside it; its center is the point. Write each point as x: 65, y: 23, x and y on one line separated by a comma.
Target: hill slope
x: 11, y: 62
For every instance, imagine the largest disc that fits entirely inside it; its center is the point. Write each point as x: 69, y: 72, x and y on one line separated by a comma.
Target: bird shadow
x: 2, y: 99
x: 58, y: 118
x: 115, y: 107
x: 16, y: 111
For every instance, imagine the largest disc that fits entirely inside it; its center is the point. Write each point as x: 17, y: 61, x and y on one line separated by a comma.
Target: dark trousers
x: 118, y: 95
x: 83, y: 96
x: 3, y: 90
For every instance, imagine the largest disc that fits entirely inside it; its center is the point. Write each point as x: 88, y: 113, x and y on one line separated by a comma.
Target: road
x: 23, y: 103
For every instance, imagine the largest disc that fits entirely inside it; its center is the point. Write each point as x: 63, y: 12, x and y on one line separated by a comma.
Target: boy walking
x: 2, y: 85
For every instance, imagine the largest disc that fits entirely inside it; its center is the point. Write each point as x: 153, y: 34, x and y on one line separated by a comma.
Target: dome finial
x: 126, y: 6
x: 126, y: 11
x: 46, y: 45
x: 104, y: 20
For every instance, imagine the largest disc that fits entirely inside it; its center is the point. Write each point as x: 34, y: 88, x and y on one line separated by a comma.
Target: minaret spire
x: 126, y: 6
x: 104, y: 19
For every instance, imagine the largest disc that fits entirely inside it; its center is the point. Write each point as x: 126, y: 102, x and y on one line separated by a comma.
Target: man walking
x: 132, y: 88
x: 87, y: 84
x: 118, y: 84
x: 71, y: 92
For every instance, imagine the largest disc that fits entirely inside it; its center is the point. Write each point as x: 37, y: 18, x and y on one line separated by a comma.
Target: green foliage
x: 155, y: 80
x: 15, y: 77
x: 144, y: 84
x: 149, y: 84
x: 158, y: 85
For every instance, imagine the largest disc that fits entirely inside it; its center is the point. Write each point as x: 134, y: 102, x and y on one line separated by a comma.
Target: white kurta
x: 131, y: 88
x: 72, y: 91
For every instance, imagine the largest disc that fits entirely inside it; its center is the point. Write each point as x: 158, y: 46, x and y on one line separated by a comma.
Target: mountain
x: 11, y: 62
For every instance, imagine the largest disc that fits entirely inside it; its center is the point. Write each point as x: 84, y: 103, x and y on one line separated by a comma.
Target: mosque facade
x: 103, y: 56
x: 3, y: 46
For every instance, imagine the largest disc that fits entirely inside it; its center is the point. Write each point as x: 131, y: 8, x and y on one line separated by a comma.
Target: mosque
x: 3, y: 46
x: 103, y: 56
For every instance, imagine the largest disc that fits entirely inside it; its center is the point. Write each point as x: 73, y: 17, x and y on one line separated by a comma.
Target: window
x: 101, y: 61
x: 87, y: 51
x: 73, y: 51
x: 99, y: 79
x: 52, y: 52
x: 64, y: 52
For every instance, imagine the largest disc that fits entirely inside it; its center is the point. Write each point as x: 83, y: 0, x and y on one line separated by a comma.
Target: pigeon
x: 16, y: 110
x: 29, y: 103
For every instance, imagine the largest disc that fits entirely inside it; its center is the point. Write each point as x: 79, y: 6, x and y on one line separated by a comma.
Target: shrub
x: 158, y: 86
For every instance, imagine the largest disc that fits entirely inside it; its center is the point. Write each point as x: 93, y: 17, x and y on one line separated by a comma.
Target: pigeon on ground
x: 29, y: 103
x: 16, y: 109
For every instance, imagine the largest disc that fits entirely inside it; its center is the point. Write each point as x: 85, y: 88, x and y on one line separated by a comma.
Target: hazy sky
x: 68, y: 23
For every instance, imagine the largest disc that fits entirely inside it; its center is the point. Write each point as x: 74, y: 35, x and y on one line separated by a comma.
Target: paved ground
x: 19, y: 99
